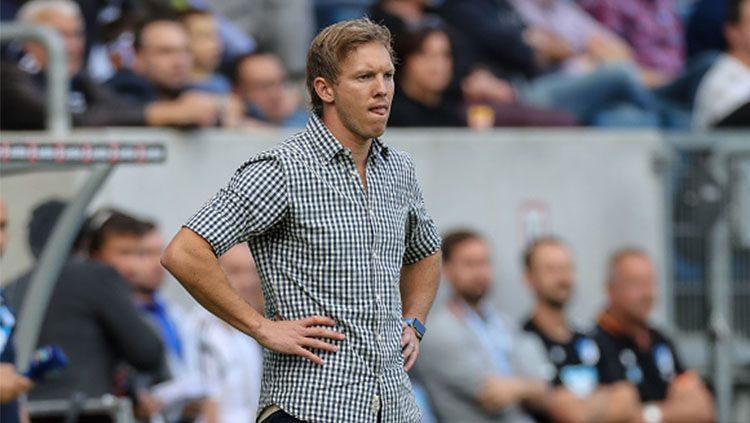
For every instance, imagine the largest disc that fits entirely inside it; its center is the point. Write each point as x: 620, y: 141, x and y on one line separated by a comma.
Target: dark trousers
x: 282, y: 416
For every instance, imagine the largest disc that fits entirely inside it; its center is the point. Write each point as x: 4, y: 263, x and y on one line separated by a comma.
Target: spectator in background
x: 530, y: 57
x: 230, y: 363
x: 115, y: 240
x: 12, y: 384
x: 206, y: 48
x: 584, y: 43
x: 91, y: 315
x: 270, y: 23
x: 483, y: 97
x: 424, y: 72
x: 652, y: 29
x: 572, y: 355
x: 174, y: 392
x: 654, y: 32
x: 633, y: 351
x: 423, y: 98
x: 261, y: 81
x: 161, y: 76
x: 723, y: 98
x: 470, y: 362
x: 24, y: 102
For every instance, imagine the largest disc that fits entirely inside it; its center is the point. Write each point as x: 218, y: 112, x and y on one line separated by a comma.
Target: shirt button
x: 375, y: 404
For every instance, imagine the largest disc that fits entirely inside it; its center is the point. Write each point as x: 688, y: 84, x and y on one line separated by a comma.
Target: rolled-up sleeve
x: 255, y: 200
x: 422, y: 236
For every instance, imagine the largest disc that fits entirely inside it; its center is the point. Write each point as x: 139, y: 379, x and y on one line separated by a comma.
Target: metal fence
x: 709, y: 187
x: 701, y: 198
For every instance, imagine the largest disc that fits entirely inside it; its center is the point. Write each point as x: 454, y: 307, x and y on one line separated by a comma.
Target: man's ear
x: 527, y: 279
x: 324, y: 89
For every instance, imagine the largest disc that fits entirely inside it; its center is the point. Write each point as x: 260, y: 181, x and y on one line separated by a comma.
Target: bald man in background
x: 634, y: 351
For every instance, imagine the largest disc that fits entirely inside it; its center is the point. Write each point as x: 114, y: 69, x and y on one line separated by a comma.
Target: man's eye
x: 363, y: 77
x: 389, y: 75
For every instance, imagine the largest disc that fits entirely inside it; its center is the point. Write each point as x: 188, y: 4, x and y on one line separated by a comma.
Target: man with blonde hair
x: 346, y: 251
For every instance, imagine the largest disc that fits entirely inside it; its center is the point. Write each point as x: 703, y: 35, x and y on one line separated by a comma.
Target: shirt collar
x: 326, y: 146
x: 610, y: 324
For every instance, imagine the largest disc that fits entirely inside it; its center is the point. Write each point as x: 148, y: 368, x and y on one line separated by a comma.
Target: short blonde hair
x: 333, y: 45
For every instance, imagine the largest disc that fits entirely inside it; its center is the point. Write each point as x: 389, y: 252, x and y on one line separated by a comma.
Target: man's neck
x: 472, y: 303
x: 552, y: 322
x: 638, y: 331
x: 360, y: 147
x: 406, y: 10
x: 742, y: 57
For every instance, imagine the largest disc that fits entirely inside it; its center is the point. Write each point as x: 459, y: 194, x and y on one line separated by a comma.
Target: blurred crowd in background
x: 676, y: 64
x: 461, y: 63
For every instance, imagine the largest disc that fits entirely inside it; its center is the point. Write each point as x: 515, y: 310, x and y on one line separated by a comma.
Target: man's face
x: 70, y: 28
x: 240, y: 269
x: 150, y: 271
x: 632, y: 290
x: 3, y: 227
x: 469, y: 270
x: 121, y: 251
x: 164, y: 57
x: 738, y: 35
x: 552, y: 274
x: 205, y: 43
x: 261, y: 81
x: 363, y: 92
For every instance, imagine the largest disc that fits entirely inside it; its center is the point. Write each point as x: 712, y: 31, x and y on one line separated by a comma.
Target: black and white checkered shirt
x: 326, y: 246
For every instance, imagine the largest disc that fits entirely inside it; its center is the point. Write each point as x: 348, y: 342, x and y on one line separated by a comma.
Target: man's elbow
x: 170, y: 256
x: 177, y: 253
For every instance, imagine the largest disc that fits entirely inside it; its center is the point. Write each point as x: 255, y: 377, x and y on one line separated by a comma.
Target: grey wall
x: 597, y: 190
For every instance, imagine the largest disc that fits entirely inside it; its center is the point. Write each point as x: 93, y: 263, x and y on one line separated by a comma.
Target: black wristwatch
x: 415, y: 324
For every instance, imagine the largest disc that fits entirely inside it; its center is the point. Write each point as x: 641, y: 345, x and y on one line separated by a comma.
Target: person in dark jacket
x: 91, y: 316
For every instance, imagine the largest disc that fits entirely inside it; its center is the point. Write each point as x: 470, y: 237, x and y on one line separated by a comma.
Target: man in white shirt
x: 723, y: 98
x: 229, y: 362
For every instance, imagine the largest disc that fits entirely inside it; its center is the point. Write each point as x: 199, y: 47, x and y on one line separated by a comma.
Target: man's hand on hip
x: 409, y: 345
x: 296, y: 337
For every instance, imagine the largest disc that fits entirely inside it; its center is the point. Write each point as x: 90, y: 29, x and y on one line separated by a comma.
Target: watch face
x: 416, y: 325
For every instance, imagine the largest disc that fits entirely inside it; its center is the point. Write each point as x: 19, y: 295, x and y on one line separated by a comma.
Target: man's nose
x: 381, y: 87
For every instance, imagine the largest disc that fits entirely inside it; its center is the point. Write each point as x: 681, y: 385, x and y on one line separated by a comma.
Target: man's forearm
x: 419, y: 284
x: 190, y: 259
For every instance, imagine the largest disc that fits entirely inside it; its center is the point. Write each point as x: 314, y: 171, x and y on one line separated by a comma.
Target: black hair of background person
x: 109, y: 221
